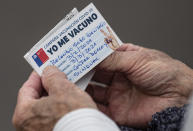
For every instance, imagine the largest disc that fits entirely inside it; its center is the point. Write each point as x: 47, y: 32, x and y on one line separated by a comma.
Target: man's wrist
x: 85, y: 119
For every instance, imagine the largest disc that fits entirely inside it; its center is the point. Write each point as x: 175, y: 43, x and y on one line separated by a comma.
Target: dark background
x: 165, y: 25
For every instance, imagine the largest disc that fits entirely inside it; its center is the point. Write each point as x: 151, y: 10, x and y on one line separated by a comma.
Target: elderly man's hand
x: 36, y: 113
x: 140, y: 82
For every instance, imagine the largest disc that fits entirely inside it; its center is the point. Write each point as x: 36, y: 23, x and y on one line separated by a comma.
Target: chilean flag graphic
x: 40, y: 57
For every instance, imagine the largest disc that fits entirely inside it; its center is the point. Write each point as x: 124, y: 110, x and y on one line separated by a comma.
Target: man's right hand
x: 140, y: 82
x: 35, y: 112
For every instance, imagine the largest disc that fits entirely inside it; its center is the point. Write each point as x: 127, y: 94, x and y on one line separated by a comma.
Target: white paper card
x: 77, y: 46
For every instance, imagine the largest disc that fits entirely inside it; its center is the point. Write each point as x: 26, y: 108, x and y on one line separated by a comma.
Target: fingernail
x: 50, y: 70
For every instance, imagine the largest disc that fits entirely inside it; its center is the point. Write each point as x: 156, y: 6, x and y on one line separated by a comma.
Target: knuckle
x: 147, y: 55
x: 66, y: 86
x: 16, y: 120
x: 20, y: 91
x: 53, y: 77
x: 157, y: 55
x: 61, y: 87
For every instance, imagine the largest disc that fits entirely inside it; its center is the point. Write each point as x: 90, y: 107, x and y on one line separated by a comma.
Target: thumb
x: 122, y: 60
x: 31, y: 89
x: 55, y: 81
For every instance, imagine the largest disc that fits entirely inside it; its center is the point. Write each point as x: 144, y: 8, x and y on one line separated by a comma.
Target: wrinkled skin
x: 35, y: 112
x: 140, y: 82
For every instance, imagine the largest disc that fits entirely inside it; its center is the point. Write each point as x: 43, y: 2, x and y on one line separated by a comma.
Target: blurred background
x: 166, y: 25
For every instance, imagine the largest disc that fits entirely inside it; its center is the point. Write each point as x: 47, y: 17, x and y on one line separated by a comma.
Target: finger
x: 55, y: 81
x: 121, y: 61
x: 115, y: 62
x: 35, y: 80
x: 129, y: 47
x: 98, y: 93
x: 31, y: 89
x: 104, y: 33
x: 106, y: 70
x: 110, y: 31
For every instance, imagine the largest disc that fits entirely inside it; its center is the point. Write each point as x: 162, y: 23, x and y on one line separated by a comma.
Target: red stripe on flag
x: 42, y: 55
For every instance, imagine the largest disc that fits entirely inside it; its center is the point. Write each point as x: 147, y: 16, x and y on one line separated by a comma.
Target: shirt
x: 85, y: 119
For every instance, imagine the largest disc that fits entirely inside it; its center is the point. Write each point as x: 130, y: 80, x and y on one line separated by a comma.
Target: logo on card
x: 40, y: 57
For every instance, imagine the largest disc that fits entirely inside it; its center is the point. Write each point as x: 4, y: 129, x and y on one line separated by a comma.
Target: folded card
x: 76, y: 46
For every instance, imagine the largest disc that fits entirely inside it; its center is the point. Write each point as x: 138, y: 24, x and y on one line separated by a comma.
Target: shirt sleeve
x: 85, y: 120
